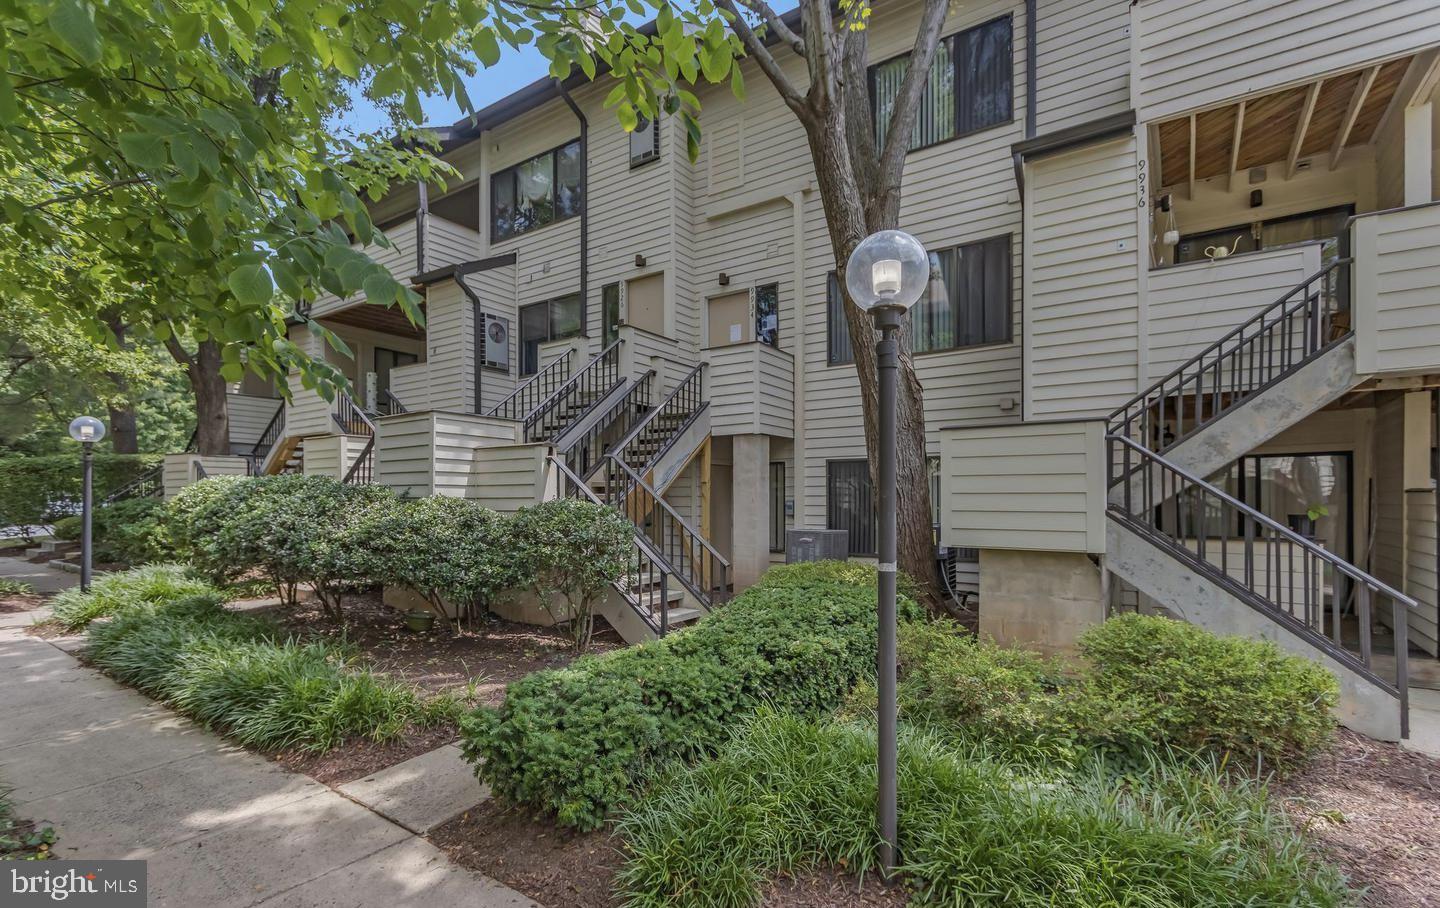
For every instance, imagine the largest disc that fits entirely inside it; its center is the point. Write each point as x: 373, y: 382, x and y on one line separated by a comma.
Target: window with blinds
x: 850, y: 503
x: 838, y: 349
x: 777, y: 506
x: 970, y: 86
x: 969, y: 300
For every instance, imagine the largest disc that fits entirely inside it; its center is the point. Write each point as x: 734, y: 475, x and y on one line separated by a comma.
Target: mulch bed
x: 477, y: 663
x: 13, y: 605
x: 562, y: 868
x: 1373, y: 809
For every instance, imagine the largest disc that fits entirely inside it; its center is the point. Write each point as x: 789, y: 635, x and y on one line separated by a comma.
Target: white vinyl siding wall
x: 434, y: 453
x: 249, y: 416
x: 1082, y: 62
x: 1037, y: 486
x: 1082, y: 353
x: 1397, y: 289
x: 508, y: 477
x: 1190, y: 57
x: 448, y: 243
x: 750, y: 388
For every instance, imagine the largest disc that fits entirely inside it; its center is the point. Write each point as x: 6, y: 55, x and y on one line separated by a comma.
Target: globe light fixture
x: 887, y: 274
x: 87, y: 430
x: 889, y: 269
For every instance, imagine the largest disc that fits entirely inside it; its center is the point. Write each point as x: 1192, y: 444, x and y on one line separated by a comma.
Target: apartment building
x: 1179, y: 352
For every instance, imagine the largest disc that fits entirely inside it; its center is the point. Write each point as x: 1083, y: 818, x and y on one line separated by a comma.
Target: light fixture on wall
x: 724, y: 279
x: 1257, y: 198
x: 639, y: 260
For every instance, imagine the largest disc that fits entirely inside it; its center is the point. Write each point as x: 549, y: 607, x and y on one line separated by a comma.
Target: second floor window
x: 547, y: 188
x: 838, y: 349
x: 767, y: 314
x: 969, y: 298
x: 542, y: 322
x: 970, y: 88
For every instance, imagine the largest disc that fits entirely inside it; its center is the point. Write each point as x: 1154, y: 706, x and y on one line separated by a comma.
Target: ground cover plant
x: 9, y: 587
x: 241, y: 676
x: 788, y: 793
x: 577, y: 741
x: 117, y: 593
x: 21, y: 839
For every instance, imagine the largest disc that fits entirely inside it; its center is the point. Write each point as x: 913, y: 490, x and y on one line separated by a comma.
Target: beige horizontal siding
x: 1082, y: 351
x: 433, y: 453
x: 1082, y: 61
x: 1420, y: 568
x: 1397, y: 289
x: 508, y: 477
x: 1193, y: 305
x: 1034, y: 486
x: 411, y: 385
x: 751, y: 390
x: 1191, y: 57
x: 249, y: 416
x: 448, y: 243
x: 179, y: 470
x: 332, y: 455
x: 402, y: 453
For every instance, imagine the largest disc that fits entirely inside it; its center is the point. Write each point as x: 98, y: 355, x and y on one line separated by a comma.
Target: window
x: 777, y: 506
x: 767, y: 314
x: 645, y: 142
x: 609, y: 314
x: 970, y: 86
x: 1325, y: 225
x: 545, y: 189
x: 969, y: 299
x: 551, y: 320
x: 850, y: 503
x: 838, y: 349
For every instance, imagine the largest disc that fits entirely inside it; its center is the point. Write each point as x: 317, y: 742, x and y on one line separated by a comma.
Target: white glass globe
x: 887, y: 269
x: 87, y: 428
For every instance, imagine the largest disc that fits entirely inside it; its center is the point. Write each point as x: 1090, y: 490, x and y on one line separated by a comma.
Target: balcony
x: 1397, y: 291
x: 413, y: 250
x: 751, y: 389
x: 1189, y: 57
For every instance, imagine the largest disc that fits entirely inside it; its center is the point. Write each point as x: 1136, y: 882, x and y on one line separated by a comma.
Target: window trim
x: 554, y: 185
x: 654, y: 154
x: 549, y: 329
x: 1009, y: 337
x: 1010, y: 121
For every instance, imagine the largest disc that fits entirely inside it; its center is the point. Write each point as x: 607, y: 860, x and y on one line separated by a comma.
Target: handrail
x: 599, y: 375
x: 145, y: 485
x: 353, y: 421
x: 647, y: 569
x: 1265, y: 348
x: 273, y: 432
x: 538, y: 388
x: 709, y: 580
x: 390, y: 405
x: 585, y: 453
x: 686, y: 400
x: 1175, y: 507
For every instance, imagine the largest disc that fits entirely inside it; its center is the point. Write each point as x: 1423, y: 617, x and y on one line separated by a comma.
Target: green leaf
x: 379, y: 288
x: 275, y: 56
x: 143, y: 149
x: 232, y: 372
x: 75, y: 26
x: 187, y: 30
x: 737, y: 83
x: 388, y: 81
x: 251, y: 285
x: 486, y: 47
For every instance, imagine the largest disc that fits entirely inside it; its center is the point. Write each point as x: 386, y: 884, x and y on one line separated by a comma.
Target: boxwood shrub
x: 577, y: 741
x: 131, y: 532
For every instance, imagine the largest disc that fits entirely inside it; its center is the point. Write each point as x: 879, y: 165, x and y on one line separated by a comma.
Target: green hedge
x: 577, y: 741
x: 787, y: 793
x: 237, y: 674
x: 131, y: 532
x: 38, y: 489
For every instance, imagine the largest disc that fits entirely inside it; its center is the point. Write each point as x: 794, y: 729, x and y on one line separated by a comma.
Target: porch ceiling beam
x: 1191, y: 195
x: 1235, y: 141
x: 1418, y: 81
x: 1352, y: 113
x: 1308, y: 111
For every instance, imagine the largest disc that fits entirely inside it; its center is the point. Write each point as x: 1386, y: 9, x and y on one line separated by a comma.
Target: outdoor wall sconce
x: 724, y: 279
x: 639, y: 260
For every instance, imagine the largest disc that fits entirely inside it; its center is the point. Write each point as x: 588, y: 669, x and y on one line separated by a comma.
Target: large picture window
x: 542, y: 322
x: 850, y: 503
x: 969, y: 298
x: 545, y: 189
x: 970, y: 87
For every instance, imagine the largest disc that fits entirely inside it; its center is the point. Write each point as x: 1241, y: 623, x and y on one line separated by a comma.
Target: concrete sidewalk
x: 42, y: 577
x: 120, y: 776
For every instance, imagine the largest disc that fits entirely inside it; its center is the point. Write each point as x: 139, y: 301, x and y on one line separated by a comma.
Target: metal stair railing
x: 584, y: 454
x: 149, y: 484
x: 695, y: 562
x: 1263, y: 563
x: 536, y: 390
x: 273, y: 432
x: 683, y: 405
x: 645, y: 568
x: 389, y: 404
x: 1264, y: 349
x: 576, y: 397
x: 353, y: 421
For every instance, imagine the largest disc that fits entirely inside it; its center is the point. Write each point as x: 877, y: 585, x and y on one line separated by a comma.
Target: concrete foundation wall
x: 1040, y: 600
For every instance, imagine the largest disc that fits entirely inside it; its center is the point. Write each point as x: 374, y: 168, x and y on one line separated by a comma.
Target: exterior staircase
x: 1206, y: 557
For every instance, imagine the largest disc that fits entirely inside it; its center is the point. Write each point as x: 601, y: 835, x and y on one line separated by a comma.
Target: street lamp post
x: 886, y: 275
x: 87, y: 430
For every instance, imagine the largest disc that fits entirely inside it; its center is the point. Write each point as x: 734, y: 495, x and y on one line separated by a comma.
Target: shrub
x: 235, y: 674
x: 573, y: 551
x: 850, y: 573
x: 10, y: 587
x: 577, y: 740
x: 202, y: 519
x: 36, y: 489
x: 453, y: 553
x: 788, y: 793
x: 1155, y: 679
x: 116, y: 594
x: 131, y: 532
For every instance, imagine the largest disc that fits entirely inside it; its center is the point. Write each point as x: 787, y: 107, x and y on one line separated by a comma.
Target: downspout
x: 1031, y: 53
x: 422, y: 215
x: 584, y: 208
x: 797, y: 278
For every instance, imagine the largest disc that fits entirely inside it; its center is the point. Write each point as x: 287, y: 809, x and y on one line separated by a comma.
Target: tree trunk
x: 850, y: 219
x: 212, y: 412
x: 124, y: 439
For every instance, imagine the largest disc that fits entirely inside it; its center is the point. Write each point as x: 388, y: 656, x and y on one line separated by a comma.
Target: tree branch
x: 776, y: 24
x: 95, y: 190
x: 907, y: 101
x: 757, y: 49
